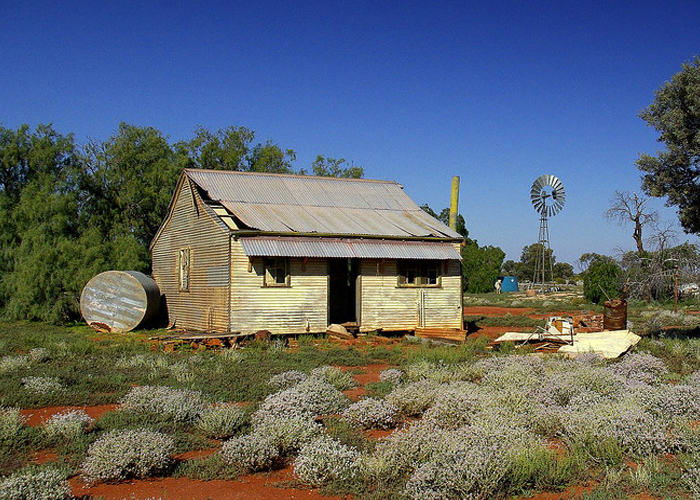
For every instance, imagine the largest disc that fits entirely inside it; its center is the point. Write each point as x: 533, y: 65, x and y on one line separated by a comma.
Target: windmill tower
x: 547, y: 196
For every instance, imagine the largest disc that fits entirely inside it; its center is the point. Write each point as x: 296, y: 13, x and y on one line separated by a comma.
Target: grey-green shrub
x: 335, y: 376
x: 178, y: 405
x: 121, y: 454
x: 68, y: 424
x: 42, y: 385
x: 287, y: 379
x: 308, y: 399
x: 691, y: 475
x: 251, y: 453
x: 35, y: 484
x: 221, y: 420
x: 326, y: 460
x: 392, y: 376
x: 15, y: 362
x: 39, y: 354
x: 413, y: 399
x: 288, y: 434
x: 371, y: 413
x: 11, y: 422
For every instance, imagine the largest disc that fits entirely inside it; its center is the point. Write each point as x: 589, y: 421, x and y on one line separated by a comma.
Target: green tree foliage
x: 481, y: 266
x: 674, y: 172
x: 602, y: 280
x: 69, y: 212
x: 40, y: 203
x: 563, y: 271
x: 335, y: 167
x: 528, y: 260
x: 444, y: 217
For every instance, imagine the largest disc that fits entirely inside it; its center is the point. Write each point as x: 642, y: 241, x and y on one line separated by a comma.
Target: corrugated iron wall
x: 205, y: 306
x: 278, y: 309
x: 388, y: 306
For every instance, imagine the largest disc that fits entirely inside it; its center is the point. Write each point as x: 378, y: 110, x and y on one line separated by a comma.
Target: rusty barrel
x: 119, y: 301
x: 615, y: 314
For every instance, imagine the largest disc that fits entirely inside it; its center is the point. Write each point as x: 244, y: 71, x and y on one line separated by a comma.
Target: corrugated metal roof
x: 309, y: 204
x: 270, y: 246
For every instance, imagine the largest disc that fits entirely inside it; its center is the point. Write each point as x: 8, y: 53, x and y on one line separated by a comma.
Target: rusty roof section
x: 289, y: 204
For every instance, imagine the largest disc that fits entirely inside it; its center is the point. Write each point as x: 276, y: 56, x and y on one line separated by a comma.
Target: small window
x: 277, y: 271
x: 419, y: 273
x: 183, y: 265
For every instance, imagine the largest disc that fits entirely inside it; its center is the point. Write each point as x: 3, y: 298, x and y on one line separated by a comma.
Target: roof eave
x: 254, y: 232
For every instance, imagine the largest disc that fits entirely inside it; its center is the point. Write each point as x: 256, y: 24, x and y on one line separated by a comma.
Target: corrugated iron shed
x: 307, y: 204
x: 263, y: 246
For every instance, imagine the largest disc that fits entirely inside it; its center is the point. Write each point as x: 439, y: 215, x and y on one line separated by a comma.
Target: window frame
x: 271, y: 279
x: 416, y: 273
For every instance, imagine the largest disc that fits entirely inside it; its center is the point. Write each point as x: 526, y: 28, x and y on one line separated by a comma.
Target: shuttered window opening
x: 419, y: 273
x: 183, y: 264
x: 277, y: 272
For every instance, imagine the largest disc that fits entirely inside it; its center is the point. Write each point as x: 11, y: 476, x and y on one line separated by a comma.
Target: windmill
x: 547, y: 196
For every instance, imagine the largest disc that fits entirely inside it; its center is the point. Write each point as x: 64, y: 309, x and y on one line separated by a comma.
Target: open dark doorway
x: 342, y: 290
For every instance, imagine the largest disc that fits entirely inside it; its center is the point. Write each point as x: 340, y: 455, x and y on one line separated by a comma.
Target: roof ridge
x: 293, y: 176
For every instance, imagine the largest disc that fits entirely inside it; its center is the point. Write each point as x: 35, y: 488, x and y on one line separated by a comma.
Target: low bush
x: 413, y: 399
x: 326, y: 460
x: 370, y: 413
x: 392, y: 376
x: 338, y: 378
x: 39, y: 354
x: 252, y: 452
x: 35, y: 484
x: 221, y: 421
x: 288, y: 434
x: 639, y: 368
x: 43, y: 385
x: 287, y: 379
x: 11, y: 423
x: 308, y: 399
x: 68, y: 424
x: 118, y: 455
x: 12, y: 363
x: 166, y: 403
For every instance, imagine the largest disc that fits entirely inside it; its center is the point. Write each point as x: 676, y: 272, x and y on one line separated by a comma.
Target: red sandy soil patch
x: 493, y: 332
x: 370, y: 373
x: 37, y: 416
x: 378, y: 433
x: 257, y: 486
x: 43, y: 456
x: 494, y: 312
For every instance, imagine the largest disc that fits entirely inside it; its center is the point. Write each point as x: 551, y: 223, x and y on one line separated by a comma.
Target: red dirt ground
x: 256, y: 486
x: 37, y: 416
x: 494, y: 312
x: 493, y: 332
x: 370, y: 373
x: 43, y: 456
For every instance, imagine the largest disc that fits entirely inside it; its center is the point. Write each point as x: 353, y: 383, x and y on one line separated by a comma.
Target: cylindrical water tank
x: 119, y: 301
x: 510, y: 284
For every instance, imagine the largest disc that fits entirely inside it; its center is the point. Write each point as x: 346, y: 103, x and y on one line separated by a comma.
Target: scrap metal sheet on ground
x: 608, y: 344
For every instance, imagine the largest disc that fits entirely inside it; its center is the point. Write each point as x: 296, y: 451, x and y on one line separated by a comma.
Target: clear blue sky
x: 496, y: 92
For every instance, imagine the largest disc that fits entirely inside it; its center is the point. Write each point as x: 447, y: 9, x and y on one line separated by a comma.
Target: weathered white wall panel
x: 388, y: 306
x: 299, y: 308
x: 205, y: 306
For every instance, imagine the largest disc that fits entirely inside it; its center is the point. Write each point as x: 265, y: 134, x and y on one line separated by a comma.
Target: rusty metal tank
x: 615, y: 314
x: 119, y: 301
